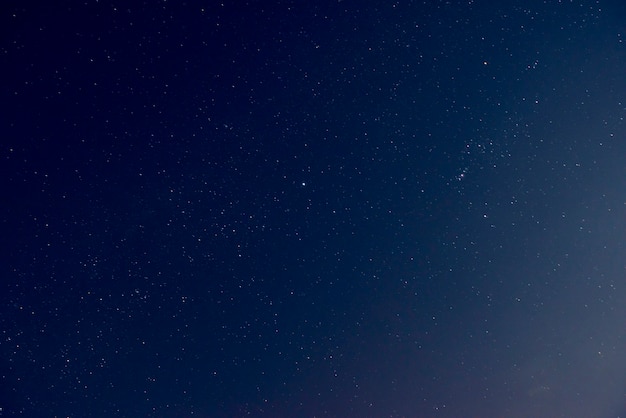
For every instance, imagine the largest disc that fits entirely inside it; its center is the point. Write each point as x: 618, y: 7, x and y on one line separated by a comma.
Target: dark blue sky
x: 343, y: 209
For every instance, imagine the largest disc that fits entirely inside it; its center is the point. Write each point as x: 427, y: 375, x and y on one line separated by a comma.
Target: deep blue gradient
x: 341, y: 209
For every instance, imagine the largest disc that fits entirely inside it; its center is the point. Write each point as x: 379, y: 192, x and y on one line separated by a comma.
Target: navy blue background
x: 339, y: 209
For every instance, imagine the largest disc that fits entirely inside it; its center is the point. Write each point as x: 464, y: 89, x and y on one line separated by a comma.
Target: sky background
x: 313, y: 209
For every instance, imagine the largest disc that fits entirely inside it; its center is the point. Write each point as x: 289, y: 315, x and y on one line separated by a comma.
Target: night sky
x: 313, y: 209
